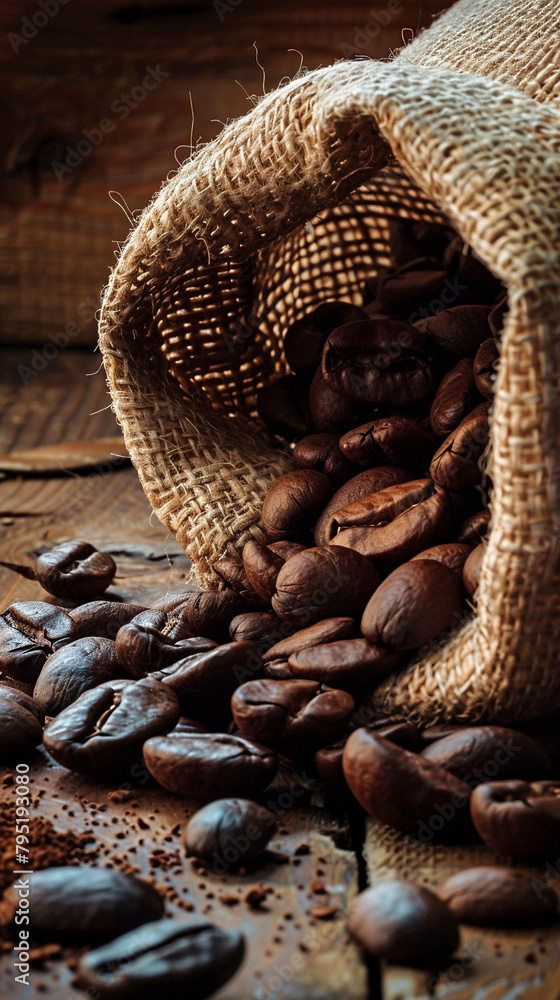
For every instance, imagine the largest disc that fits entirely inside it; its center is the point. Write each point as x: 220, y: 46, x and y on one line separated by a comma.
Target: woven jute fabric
x: 289, y: 206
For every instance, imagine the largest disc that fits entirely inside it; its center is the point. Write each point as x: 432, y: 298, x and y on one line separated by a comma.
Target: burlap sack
x: 289, y: 206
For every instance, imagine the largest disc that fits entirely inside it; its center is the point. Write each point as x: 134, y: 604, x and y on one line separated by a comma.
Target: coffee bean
x: 261, y: 567
x: 404, y: 734
x: 278, y: 670
x: 29, y: 632
x: 25, y: 700
x: 454, y: 399
x: 208, y: 614
x: 326, y: 631
x: 331, y: 413
x: 296, y: 716
x: 472, y: 569
x: 403, y: 789
x: 479, y: 753
x: 229, y: 832
x: 350, y: 664
x: 403, y: 922
x: 457, y: 332
x: 286, y: 549
x: 20, y: 730
x: 485, y: 367
x: 83, y: 903
x: 142, y: 649
x: 293, y: 502
x: 207, y: 766
x: 518, y: 819
x: 77, y: 667
x: 304, y: 339
x: 474, y: 528
x: 323, y: 582
x: 498, y: 897
x: 261, y: 627
x: 284, y: 407
x: 232, y: 572
x: 173, y: 958
x: 101, y: 734
x: 362, y: 485
x: 389, y: 441
x: 322, y: 453
x: 450, y: 554
x: 405, y: 291
x: 75, y: 571
x: 102, y: 618
x: 394, y: 524
x: 328, y: 764
x: 455, y: 463
x: 414, y: 605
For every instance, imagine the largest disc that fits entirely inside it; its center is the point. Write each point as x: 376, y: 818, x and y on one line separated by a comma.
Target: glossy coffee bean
x: 278, y: 670
x: 403, y: 922
x: 286, y: 549
x: 326, y: 631
x: 518, y: 819
x: 389, y: 441
x: 411, y: 287
x: 206, y: 766
x: 29, y: 632
x: 403, y: 789
x: 284, y: 407
x: 328, y: 764
x: 232, y: 572
x: 229, y: 832
x: 25, y: 700
x: 186, y: 725
x: 323, y: 582
x: 349, y: 664
x: 454, y: 399
x: 455, y: 463
x: 362, y: 485
x: 20, y: 729
x: 379, y: 362
x: 261, y: 567
x: 304, y: 339
x: 296, y: 716
x: 83, y: 903
x: 477, y: 754
x: 434, y: 733
x: 472, y: 569
x: 75, y: 571
x: 205, y: 682
x: 144, y: 648
x: 172, y: 958
x: 450, y: 554
x: 321, y: 452
x: 498, y: 897
x: 485, y: 367
x: 73, y: 669
x: 474, y: 528
x: 208, y: 614
x: 102, y: 618
x: 458, y: 332
x: 293, y: 503
x: 101, y: 734
x: 330, y: 412
x: 395, y: 524
x: 414, y: 605
x: 404, y: 734
x: 261, y: 627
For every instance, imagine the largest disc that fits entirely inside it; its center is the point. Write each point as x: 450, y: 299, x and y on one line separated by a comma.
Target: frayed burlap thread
x: 289, y: 206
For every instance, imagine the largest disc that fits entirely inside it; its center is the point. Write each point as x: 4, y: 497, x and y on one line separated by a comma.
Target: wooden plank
x: 490, y: 964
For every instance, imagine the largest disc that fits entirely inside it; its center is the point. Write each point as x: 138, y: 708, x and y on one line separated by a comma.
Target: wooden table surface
x: 297, y: 946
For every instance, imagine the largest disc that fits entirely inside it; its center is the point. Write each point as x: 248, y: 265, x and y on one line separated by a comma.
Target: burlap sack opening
x: 288, y: 207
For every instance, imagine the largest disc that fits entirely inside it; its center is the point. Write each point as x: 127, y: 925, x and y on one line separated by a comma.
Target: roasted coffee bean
x: 232, y: 572
x: 379, y: 362
x: 389, y: 441
x: 496, y: 317
x: 262, y: 627
x: 518, y: 819
x: 208, y: 614
x: 403, y: 789
x: 323, y: 582
x: 75, y: 571
x: 294, y: 715
x: 278, y: 670
x: 394, y: 524
x: 262, y: 567
x: 350, y: 664
x: 286, y: 549
x: 229, y: 832
x: 477, y: 754
x: 450, y: 554
x: 362, y: 485
x: 414, y: 605
x: 404, y: 734
x: 322, y: 453
x: 205, y: 766
x: 403, y: 922
x: 474, y: 528
x: 293, y: 502
x: 186, y: 725
x: 172, y: 958
x: 455, y: 463
x: 77, y: 667
x: 328, y: 764
x: 25, y: 700
x: 83, y: 903
x: 472, y: 568
x: 485, y: 367
x: 142, y: 649
x: 20, y: 729
x: 498, y: 897
x: 454, y: 399
x: 102, y: 618
x: 330, y: 412
x: 457, y: 332
x: 29, y: 632
x: 284, y: 407
x: 171, y: 604
x: 328, y: 630
x: 434, y: 733
x: 410, y: 288
x: 101, y: 734
x: 205, y: 682
x: 304, y: 339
